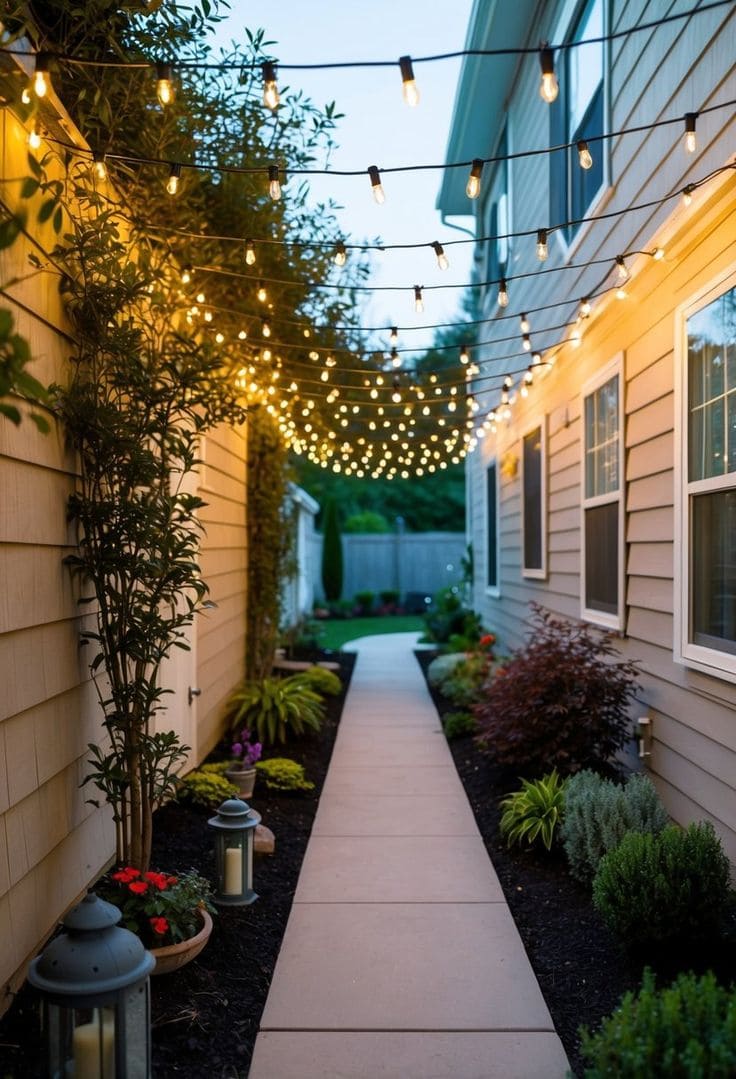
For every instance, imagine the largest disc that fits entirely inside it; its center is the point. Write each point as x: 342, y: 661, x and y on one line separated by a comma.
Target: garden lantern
x: 235, y: 828
x: 93, y: 981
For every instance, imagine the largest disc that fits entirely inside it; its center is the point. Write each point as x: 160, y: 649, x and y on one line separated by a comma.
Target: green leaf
x: 29, y: 187
x: 47, y: 208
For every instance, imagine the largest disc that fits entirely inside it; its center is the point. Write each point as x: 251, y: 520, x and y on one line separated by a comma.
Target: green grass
x: 336, y: 631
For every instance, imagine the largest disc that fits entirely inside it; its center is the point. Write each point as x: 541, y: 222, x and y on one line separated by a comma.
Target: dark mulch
x: 579, y: 964
x: 206, y: 1016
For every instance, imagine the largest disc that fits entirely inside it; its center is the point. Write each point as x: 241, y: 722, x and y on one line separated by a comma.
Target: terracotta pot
x: 172, y: 956
x: 244, y: 779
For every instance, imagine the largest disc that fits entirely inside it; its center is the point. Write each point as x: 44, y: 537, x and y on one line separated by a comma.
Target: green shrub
x: 464, y: 683
x: 659, y: 889
x: 206, y: 788
x: 217, y: 768
x: 458, y: 724
x: 599, y: 813
x: 367, y: 521
x: 448, y: 616
x: 558, y: 702
x: 686, y: 1031
x: 364, y: 602
x: 283, y: 774
x: 534, y: 811
x: 276, y: 707
x: 442, y: 667
x: 322, y: 681
x: 388, y: 596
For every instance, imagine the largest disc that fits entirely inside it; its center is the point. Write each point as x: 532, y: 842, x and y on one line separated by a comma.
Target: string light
x: 418, y: 299
x: 265, y: 328
x: 341, y: 254
x: 274, y: 185
x: 164, y: 84
x: 261, y: 292
x: 172, y: 184
x: 658, y: 254
x: 41, y: 75
x: 542, y: 248
x: 503, y: 293
x: 585, y: 157
x: 396, y: 396
x: 442, y: 260
x: 585, y: 307
x: 691, y: 144
x: 378, y: 193
x: 524, y: 324
x: 250, y: 253
x: 464, y: 354
x: 270, y: 89
x: 34, y: 138
x: 186, y: 275
x: 548, y: 87
x: 394, y: 335
x: 472, y: 188
x: 395, y: 358
x: 536, y: 358
x: 526, y: 342
x: 408, y: 82
x: 100, y: 168
x: 623, y: 273
x: 687, y: 194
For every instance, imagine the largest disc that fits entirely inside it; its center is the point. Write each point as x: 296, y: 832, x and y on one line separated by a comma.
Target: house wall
x: 684, y: 66
x: 52, y: 842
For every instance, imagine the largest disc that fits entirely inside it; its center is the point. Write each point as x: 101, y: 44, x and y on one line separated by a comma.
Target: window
x: 707, y: 514
x: 492, y: 528
x: 602, y: 525
x: 496, y: 220
x: 533, y: 506
x: 578, y: 114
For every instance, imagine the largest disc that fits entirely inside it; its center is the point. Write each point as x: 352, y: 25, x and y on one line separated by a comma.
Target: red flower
x: 139, y: 887
x: 160, y: 880
x: 160, y: 925
x: 172, y: 880
x: 126, y: 875
x: 487, y: 640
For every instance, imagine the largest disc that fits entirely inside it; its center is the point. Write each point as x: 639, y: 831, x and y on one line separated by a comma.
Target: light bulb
x: 548, y: 87
x: 464, y: 354
x: 394, y: 335
x: 265, y: 328
x: 691, y: 144
x: 442, y: 260
x: 623, y: 273
x: 536, y: 358
x: 418, y: 300
x: 341, y: 255
x: 100, y: 168
x: 472, y: 188
x: 526, y: 342
x: 621, y: 294
x: 658, y: 254
x: 542, y: 249
x: 503, y: 293
x: 34, y: 139
x: 584, y: 307
x: 274, y: 186
x: 26, y: 96
x: 529, y: 376
x: 524, y: 324
x: 250, y: 253
x: 687, y: 194
x: 508, y: 382
x: 261, y: 292
x: 41, y: 75
x: 200, y: 297
x: 575, y: 337
x: 395, y: 358
x: 186, y: 275
x: 172, y: 184
x: 584, y: 155
x: 378, y: 193
x: 270, y: 89
x: 164, y: 85
x: 408, y: 83
x: 505, y: 397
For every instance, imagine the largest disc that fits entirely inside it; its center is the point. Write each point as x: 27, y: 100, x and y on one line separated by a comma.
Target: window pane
x: 585, y: 63
x: 491, y: 527
x: 602, y: 440
x: 586, y: 183
x: 532, y: 451
x: 713, y: 570
x: 711, y: 347
x: 601, y: 558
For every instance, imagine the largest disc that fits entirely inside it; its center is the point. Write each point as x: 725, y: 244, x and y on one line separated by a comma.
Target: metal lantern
x: 93, y: 981
x: 235, y: 828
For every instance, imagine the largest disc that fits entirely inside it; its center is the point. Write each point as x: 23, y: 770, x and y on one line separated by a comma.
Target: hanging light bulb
x: 536, y: 358
x: 687, y: 194
x: 378, y: 193
x: 418, y: 300
x: 524, y: 324
x: 265, y: 328
x: 529, y: 376
x: 341, y: 254
x: 442, y: 260
x: 526, y: 342
x: 464, y: 354
x: 164, y: 85
x: 41, y: 75
x: 186, y: 275
x: 261, y: 293
x: 548, y: 87
x: 250, y: 253
x: 172, y: 184
x: 472, y: 188
x: 408, y: 83
x: 623, y: 273
x: 585, y: 307
x: 26, y: 96
x: 503, y: 293
x: 658, y: 254
x: 34, y: 139
x: 542, y: 248
x: 508, y: 382
x: 395, y: 358
x: 396, y: 396
x: 394, y: 335
x: 98, y: 165
x: 691, y: 144
x: 621, y: 293
x: 270, y: 89
x: 585, y: 157
x: 274, y: 186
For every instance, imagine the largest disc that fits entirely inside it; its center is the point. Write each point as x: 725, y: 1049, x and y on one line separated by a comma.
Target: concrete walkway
x: 401, y: 959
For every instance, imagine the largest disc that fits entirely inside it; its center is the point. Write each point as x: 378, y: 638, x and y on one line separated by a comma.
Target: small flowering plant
x: 486, y: 643
x: 160, y: 908
x: 245, y: 752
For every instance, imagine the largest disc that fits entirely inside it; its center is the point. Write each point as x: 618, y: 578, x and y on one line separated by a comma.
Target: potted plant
x: 170, y: 913
x: 242, y: 771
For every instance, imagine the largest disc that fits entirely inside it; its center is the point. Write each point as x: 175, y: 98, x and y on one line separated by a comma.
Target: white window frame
x: 538, y: 573
x: 491, y: 293
x: 615, y: 367
x: 699, y: 657
x: 492, y: 590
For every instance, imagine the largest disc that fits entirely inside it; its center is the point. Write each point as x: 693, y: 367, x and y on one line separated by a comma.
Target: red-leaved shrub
x: 559, y: 702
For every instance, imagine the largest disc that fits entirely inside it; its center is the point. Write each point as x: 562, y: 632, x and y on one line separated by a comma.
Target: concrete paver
x: 401, y: 959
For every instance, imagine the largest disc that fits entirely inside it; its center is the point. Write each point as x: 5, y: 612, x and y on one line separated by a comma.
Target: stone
x: 265, y: 840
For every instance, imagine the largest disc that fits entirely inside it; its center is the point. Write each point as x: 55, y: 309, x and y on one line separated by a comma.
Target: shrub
x: 367, y: 521
x: 599, y: 813
x: 458, y: 724
x: 534, y: 811
x: 464, y: 683
x: 206, y: 788
x: 322, y: 681
x: 217, y: 768
x: 389, y: 596
x: 658, y: 889
x: 364, y: 602
x: 560, y: 701
x: 276, y: 707
x: 687, y: 1031
x: 283, y: 774
x: 448, y: 616
x: 442, y: 667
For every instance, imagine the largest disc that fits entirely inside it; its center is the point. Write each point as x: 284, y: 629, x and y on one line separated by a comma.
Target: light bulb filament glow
x: 270, y: 89
x: 548, y: 87
x: 472, y: 188
x: 378, y: 192
x: 408, y: 82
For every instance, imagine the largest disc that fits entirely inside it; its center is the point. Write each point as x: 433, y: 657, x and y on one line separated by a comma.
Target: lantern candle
x: 233, y: 871
x: 89, y: 1049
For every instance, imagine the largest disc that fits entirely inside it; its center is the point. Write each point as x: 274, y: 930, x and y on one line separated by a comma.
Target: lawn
x: 334, y: 632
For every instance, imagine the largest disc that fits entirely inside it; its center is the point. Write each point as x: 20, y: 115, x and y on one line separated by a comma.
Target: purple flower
x: 236, y: 749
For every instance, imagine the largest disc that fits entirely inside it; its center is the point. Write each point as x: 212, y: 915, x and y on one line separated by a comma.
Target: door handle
x: 193, y: 693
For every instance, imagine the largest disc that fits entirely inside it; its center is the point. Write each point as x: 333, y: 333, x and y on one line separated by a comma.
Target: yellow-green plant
x: 534, y: 812
x: 283, y: 774
x: 322, y: 681
x: 276, y: 707
x: 206, y: 788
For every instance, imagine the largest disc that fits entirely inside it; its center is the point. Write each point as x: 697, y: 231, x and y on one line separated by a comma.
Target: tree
x: 332, y: 566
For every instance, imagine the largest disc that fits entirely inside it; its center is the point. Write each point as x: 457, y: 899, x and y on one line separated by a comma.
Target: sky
x: 380, y: 129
